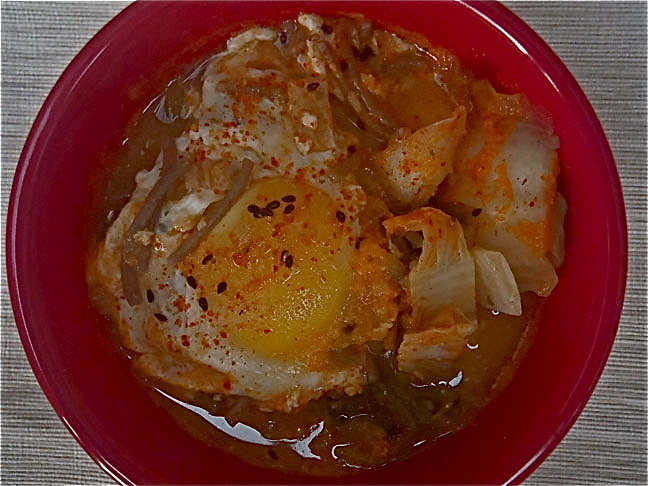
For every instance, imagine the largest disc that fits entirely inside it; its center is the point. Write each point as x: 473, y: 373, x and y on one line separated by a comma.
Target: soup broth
x: 327, y: 246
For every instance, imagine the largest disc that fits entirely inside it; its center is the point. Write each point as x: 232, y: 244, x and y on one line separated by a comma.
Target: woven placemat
x: 603, y: 44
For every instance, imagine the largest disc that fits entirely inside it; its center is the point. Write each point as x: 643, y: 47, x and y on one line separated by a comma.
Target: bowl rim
x: 527, y: 39
x: 496, y: 15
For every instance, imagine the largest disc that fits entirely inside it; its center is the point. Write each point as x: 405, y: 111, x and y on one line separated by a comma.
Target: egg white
x: 174, y: 337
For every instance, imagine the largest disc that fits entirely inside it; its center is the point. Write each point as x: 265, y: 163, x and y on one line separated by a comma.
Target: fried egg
x: 266, y: 302
x: 261, y: 306
x: 261, y: 298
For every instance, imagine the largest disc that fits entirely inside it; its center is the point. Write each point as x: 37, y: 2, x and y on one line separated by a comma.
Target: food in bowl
x: 329, y: 243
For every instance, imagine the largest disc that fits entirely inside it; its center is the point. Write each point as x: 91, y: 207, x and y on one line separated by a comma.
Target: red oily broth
x: 396, y: 413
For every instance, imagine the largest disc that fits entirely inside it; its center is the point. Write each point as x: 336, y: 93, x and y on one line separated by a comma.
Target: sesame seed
x: 288, y: 261
x: 312, y: 86
x: 222, y: 287
x: 289, y: 209
x: 476, y: 212
x: 289, y: 198
x: 283, y: 37
x: 160, y: 317
x: 150, y: 296
x: 253, y: 208
x: 204, y: 305
x: 207, y: 259
x: 341, y: 217
x: 192, y: 282
x: 273, y: 204
x: 360, y: 124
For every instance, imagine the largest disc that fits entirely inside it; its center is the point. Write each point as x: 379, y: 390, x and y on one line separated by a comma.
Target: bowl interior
x: 72, y: 350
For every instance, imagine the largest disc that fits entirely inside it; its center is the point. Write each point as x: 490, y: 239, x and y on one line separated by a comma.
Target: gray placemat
x: 603, y: 44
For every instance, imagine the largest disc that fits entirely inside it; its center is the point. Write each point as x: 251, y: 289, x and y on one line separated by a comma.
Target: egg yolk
x: 279, y: 270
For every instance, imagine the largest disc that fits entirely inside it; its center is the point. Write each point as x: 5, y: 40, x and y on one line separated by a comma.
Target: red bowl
x: 70, y: 347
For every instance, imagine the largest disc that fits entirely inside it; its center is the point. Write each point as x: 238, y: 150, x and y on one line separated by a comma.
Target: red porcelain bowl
x: 70, y: 347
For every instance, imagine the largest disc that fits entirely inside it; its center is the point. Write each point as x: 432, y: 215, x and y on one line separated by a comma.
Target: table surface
x: 604, y: 46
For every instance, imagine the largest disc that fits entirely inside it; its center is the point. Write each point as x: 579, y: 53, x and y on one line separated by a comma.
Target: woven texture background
x: 604, y: 46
